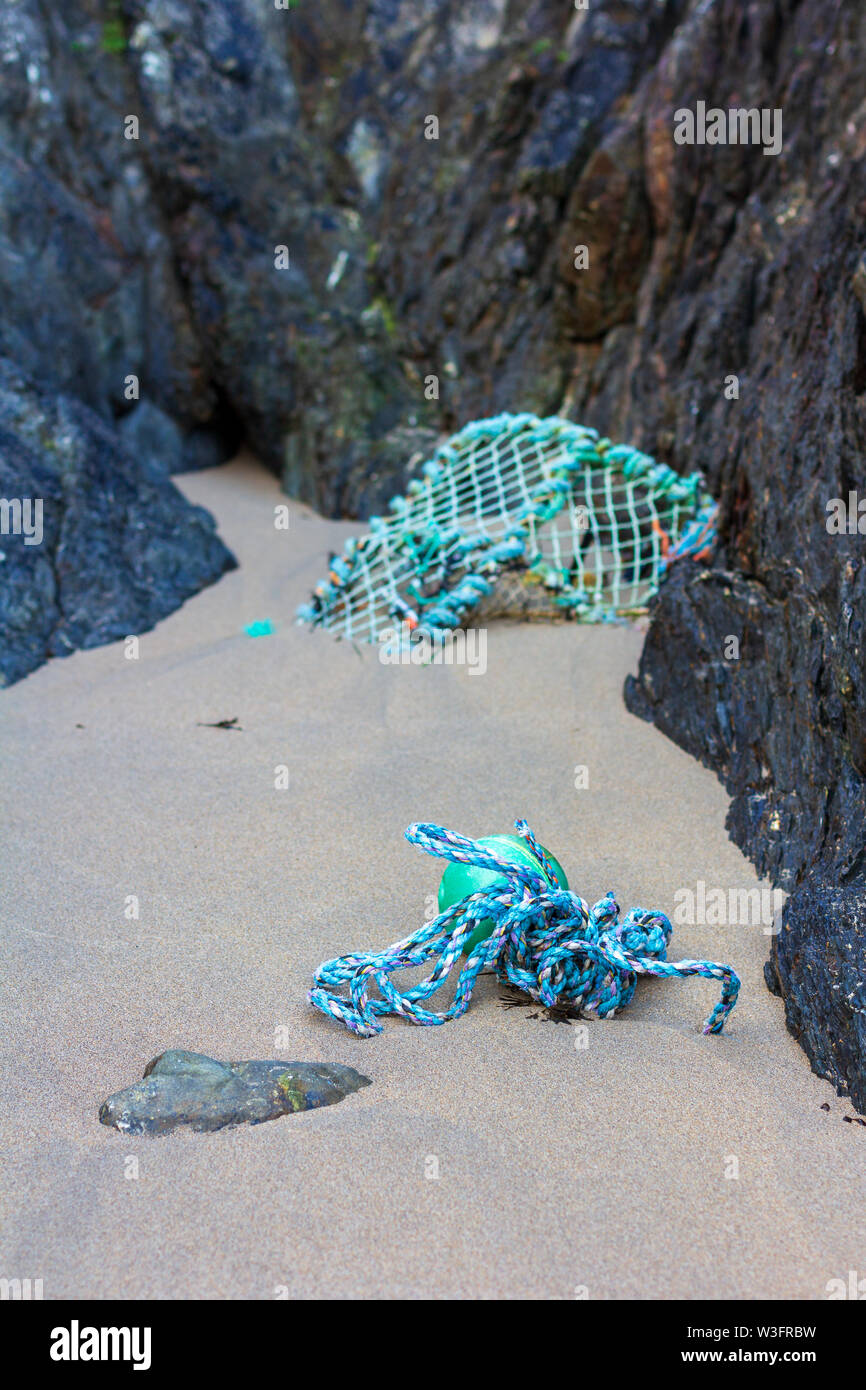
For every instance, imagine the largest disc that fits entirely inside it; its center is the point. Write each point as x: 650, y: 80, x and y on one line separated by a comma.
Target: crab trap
x: 517, y: 516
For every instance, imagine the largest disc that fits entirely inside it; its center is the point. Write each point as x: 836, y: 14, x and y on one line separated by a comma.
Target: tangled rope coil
x: 546, y: 941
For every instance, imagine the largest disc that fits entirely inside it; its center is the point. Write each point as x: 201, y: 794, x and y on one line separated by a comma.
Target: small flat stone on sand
x: 187, y: 1088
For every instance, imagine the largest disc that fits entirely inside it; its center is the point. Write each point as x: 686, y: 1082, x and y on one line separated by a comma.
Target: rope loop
x: 545, y: 941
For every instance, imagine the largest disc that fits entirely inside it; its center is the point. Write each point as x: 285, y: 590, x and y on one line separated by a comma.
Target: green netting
x: 590, y: 523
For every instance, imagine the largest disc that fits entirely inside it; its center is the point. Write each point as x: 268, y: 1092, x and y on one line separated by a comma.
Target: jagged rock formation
x: 100, y: 545
x: 781, y: 303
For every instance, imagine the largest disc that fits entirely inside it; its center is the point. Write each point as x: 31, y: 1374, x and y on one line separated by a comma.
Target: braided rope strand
x: 545, y: 941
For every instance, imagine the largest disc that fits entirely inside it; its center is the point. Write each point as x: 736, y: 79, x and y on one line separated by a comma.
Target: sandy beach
x: 491, y: 1157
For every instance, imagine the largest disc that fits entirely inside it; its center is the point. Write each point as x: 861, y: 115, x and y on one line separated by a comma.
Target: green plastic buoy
x: 459, y: 880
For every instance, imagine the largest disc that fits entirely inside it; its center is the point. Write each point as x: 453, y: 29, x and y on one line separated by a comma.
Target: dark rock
x: 771, y: 735
x: 757, y: 270
x: 119, y: 547
x: 186, y: 1088
x: 92, y: 296
x: 208, y: 448
x: 822, y: 977
x: 782, y: 726
x: 471, y: 239
x: 88, y: 275
x: 304, y: 353
x: 152, y: 438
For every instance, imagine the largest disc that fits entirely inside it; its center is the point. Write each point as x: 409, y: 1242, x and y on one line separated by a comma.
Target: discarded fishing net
x: 517, y: 516
x: 544, y: 940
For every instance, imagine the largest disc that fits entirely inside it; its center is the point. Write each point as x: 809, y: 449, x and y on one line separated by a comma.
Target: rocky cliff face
x: 780, y: 711
x: 342, y: 226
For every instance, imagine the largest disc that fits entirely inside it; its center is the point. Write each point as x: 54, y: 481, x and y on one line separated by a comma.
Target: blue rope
x: 546, y: 941
x: 698, y: 537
